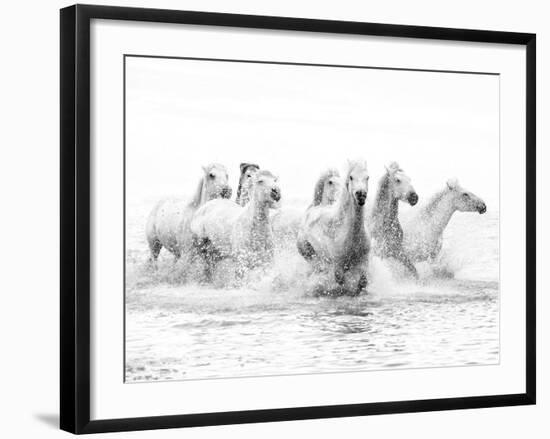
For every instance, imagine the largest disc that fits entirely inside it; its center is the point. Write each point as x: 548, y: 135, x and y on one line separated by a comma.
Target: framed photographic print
x: 268, y: 218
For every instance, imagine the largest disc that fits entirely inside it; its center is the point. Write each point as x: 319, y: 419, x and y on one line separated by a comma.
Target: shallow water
x: 177, y: 328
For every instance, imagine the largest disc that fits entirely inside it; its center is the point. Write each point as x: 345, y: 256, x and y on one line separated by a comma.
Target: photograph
x: 287, y: 218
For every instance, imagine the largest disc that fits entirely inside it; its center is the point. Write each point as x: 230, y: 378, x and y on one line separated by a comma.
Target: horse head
x: 248, y: 170
x: 400, y: 185
x: 265, y: 189
x: 327, y: 188
x: 215, y: 182
x: 465, y: 201
x: 357, y: 181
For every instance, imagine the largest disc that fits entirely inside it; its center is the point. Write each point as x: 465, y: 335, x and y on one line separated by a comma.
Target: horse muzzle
x: 226, y: 192
x: 275, y: 194
x: 482, y: 209
x: 412, y: 198
x: 361, y: 197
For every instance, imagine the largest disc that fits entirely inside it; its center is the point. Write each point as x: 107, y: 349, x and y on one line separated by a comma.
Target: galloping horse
x: 285, y: 221
x: 224, y: 229
x: 383, y: 223
x: 248, y: 170
x: 334, y: 236
x: 325, y: 193
x: 424, y: 230
x: 168, y: 222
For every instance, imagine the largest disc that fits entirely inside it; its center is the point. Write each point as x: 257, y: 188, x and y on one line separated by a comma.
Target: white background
x: 296, y: 121
x: 111, y: 398
x: 29, y: 178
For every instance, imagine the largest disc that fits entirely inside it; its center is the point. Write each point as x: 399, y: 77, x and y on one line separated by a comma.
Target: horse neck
x: 240, y: 196
x: 351, y: 214
x: 386, y: 206
x: 440, y: 210
x: 258, y: 212
x: 357, y: 222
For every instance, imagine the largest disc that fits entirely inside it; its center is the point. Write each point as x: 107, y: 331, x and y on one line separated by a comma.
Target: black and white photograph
x: 288, y: 218
x: 275, y: 219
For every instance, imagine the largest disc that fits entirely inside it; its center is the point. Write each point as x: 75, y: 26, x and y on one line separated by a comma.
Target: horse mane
x: 320, y: 185
x: 244, y: 167
x: 197, y: 199
x: 435, y: 200
x: 383, y: 188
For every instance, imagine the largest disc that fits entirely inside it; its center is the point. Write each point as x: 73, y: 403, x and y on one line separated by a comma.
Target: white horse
x: 248, y: 170
x: 383, y: 223
x: 334, y: 236
x: 285, y: 220
x: 168, y: 222
x: 288, y: 220
x: 423, y: 231
x: 222, y: 228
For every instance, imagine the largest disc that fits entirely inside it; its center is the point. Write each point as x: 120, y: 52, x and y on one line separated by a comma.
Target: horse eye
x: 248, y: 175
x: 397, y: 180
x: 330, y: 182
x: 466, y: 195
x: 212, y: 175
x: 351, y: 177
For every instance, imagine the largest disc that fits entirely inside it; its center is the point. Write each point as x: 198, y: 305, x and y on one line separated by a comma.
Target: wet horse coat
x: 384, y: 222
x: 248, y: 170
x: 334, y: 236
x: 168, y: 222
x: 223, y: 229
x: 423, y: 231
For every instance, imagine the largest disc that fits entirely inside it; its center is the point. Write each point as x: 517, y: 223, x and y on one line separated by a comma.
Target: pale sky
x: 298, y: 120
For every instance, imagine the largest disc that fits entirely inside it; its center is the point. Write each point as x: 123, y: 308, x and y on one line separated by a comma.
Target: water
x: 178, y: 329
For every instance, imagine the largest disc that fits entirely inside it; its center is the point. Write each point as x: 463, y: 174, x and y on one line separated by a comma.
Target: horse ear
x: 392, y: 167
x: 244, y: 166
x: 452, y: 183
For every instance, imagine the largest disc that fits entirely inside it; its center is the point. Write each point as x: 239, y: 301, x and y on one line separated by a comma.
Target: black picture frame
x: 75, y: 217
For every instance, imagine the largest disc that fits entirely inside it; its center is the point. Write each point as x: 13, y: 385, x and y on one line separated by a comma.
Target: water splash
x: 270, y: 322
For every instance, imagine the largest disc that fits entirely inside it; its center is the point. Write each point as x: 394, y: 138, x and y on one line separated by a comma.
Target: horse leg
x: 362, y: 284
x: 404, y: 259
x: 339, y: 275
x: 207, y: 254
x: 212, y: 257
x: 436, y: 251
x: 439, y: 263
x: 305, y: 249
x: 155, y: 246
x: 241, y: 266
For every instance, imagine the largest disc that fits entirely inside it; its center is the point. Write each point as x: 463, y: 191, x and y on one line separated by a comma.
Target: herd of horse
x: 336, y: 234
